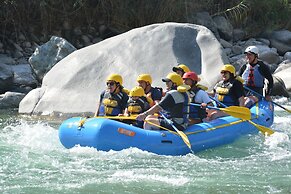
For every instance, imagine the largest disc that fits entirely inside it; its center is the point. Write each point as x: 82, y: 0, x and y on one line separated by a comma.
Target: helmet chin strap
x: 117, y: 85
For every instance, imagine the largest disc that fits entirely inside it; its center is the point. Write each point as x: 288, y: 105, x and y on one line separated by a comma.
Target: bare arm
x: 241, y: 101
x: 156, y: 108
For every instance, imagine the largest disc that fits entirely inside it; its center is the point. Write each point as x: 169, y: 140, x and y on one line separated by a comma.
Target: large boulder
x: 281, y: 40
x: 48, y: 54
x: 279, y: 88
x: 74, y: 84
x: 282, y: 72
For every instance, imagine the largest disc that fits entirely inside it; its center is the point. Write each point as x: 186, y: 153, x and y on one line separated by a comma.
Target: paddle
x: 263, y: 129
x: 132, y: 117
x: 182, y: 135
x: 235, y: 111
x: 264, y: 98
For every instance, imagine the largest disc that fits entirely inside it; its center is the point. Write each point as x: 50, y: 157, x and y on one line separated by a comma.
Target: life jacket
x: 222, y: 93
x: 196, y: 112
x: 137, y: 106
x: 258, y: 77
x: 181, y: 119
x: 155, y: 93
x: 110, y: 104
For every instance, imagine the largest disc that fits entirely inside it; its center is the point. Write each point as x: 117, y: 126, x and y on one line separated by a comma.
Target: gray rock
x: 6, y: 76
x: 287, y: 56
x: 238, y: 34
x: 17, y: 47
x: 284, y: 71
x: 237, y: 49
x: 269, y: 56
x: 224, y: 27
x: 204, y: 19
x: 10, y: 99
x: 17, y: 54
x: 75, y: 83
x: 47, y: 55
x: 6, y: 59
x: 279, y: 88
x: 227, y: 51
x: 265, y: 41
x: 225, y: 44
x: 86, y: 40
x: 23, y: 75
x: 281, y: 40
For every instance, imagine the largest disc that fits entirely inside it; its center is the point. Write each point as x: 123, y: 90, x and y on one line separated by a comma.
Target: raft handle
x: 167, y: 141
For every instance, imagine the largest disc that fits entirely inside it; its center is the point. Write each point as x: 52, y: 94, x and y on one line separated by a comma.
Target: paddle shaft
x: 265, y: 98
x: 182, y: 135
x: 263, y: 129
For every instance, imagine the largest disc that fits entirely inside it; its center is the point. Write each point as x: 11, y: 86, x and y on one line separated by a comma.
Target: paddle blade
x: 263, y: 129
x: 184, y: 138
x: 238, y: 112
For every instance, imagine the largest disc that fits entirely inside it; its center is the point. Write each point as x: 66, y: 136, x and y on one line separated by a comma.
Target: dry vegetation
x: 44, y: 17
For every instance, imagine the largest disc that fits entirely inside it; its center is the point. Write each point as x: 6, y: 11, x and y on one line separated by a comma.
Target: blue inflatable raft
x: 105, y: 134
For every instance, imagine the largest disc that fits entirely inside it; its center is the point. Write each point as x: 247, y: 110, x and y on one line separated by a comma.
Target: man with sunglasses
x: 114, y: 99
x: 254, y: 74
x: 229, y: 91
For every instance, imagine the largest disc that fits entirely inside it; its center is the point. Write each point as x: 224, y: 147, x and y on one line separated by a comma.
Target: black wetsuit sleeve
x: 265, y: 71
x: 242, y: 69
x: 124, y: 101
x: 238, y: 89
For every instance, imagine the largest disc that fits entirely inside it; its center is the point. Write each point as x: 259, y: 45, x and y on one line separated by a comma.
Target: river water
x: 32, y: 160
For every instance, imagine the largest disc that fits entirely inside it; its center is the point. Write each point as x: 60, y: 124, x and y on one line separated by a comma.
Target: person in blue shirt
x: 114, y: 99
x: 155, y: 93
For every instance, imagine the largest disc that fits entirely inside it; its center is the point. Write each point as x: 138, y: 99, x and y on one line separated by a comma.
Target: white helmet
x: 252, y: 49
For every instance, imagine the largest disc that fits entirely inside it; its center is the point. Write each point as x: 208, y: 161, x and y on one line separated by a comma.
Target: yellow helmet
x: 137, y: 91
x: 182, y: 67
x: 145, y: 77
x: 228, y: 67
x: 175, y: 78
x: 115, y: 77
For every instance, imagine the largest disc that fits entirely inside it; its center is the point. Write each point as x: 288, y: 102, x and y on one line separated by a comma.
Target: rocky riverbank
x: 24, y: 62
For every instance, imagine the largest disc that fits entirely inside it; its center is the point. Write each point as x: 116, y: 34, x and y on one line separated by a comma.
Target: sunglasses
x: 224, y: 72
x: 110, y: 83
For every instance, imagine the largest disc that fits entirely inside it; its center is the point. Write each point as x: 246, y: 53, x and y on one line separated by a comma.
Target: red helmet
x: 191, y: 75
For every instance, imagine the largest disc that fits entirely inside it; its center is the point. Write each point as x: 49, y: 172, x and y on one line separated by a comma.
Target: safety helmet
x: 115, y: 77
x: 137, y: 91
x: 252, y: 49
x: 181, y: 67
x: 191, y: 75
x: 175, y: 78
x: 228, y: 67
x: 145, y: 77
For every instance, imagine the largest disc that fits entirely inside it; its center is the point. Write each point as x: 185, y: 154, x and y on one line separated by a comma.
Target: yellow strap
x: 151, y: 123
x: 214, y: 128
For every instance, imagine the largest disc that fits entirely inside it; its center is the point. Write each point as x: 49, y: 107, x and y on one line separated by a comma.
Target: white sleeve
x: 202, y: 97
